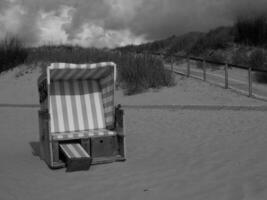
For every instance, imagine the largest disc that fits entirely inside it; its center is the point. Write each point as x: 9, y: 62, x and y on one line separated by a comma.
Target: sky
x: 111, y: 23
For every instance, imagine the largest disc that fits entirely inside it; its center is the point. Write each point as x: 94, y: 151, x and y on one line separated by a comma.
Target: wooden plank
x: 55, y: 151
x: 119, y: 124
x: 120, y: 131
x: 121, y: 145
x: 188, y: 67
x: 45, y: 151
x: 103, y: 160
x: 204, y: 70
x: 226, y: 76
x: 172, y: 64
x: 249, y: 82
x: 86, y: 145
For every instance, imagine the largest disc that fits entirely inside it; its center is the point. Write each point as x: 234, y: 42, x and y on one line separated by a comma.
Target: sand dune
x: 172, y: 154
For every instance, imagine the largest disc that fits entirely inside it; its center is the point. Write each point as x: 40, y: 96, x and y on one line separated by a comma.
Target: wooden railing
x: 204, y: 62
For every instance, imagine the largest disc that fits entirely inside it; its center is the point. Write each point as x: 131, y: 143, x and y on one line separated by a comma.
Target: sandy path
x: 238, y: 78
x: 188, y: 92
x: 19, y: 86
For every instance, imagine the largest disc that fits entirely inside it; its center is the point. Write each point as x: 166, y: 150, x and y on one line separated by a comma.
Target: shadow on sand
x: 35, y: 148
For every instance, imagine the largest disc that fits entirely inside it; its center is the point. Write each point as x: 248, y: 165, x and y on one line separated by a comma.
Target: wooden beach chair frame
x: 109, y: 132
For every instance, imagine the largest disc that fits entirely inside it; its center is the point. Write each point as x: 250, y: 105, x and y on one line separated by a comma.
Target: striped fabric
x: 66, y: 71
x: 76, y: 105
x: 65, y: 90
x: 74, y: 150
x: 107, y: 85
x: 82, y: 134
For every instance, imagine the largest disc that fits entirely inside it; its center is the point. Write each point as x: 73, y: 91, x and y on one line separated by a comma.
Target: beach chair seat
x: 77, y: 105
x: 83, y: 134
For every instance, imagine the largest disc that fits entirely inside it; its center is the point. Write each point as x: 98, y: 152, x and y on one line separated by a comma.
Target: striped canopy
x: 78, y: 97
x: 66, y: 71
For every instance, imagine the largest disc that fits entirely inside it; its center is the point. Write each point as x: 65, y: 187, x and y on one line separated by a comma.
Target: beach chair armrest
x: 45, y: 114
x: 118, y: 124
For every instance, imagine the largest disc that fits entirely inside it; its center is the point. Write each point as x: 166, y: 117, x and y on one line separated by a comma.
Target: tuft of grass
x: 136, y: 72
x: 12, y: 53
x: 65, y: 53
x: 257, y: 60
x: 216, y: 39
x: 140, y: 72
x: 240, y: 57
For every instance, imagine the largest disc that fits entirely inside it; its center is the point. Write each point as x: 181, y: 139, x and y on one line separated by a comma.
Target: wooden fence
x: 204, y: 68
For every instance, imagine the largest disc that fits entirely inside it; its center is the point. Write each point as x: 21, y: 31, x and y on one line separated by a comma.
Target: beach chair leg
x: 121, y: 146
x: 119, y: 124
x: 44, y: 135
x: 55, y: 151
x: 55, y: 162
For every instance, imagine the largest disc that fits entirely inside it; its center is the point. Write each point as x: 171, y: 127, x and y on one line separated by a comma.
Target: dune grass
x: 136, y: 73
x: 12, y: 53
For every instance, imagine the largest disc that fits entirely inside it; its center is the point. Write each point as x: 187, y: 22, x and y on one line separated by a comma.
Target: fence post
x: 249, y: 82
x: 226, y: 75
x: 188, y: 67
x: 172, y: 64
x: 204, y: 69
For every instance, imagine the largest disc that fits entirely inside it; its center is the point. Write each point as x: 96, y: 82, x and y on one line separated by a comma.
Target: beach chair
x: 78, y: 121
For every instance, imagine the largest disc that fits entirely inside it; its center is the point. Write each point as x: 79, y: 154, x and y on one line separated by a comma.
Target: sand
x: 19, y: 86
x: 189, y: 92
x: 171, y: 154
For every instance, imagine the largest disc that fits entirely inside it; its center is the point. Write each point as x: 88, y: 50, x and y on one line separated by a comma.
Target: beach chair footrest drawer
x: 104, y: 147
x: 75, y: 157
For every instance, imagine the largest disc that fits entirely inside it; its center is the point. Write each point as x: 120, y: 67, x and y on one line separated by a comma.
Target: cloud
x: 111, y: 23
x: 17, y: 20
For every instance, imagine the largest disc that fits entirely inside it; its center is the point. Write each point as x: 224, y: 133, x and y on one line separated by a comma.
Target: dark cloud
x: 97, y: 22
x: 162, y: 18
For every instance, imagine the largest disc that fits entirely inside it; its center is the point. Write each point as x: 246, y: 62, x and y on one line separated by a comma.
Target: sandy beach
x: 171, y: 153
